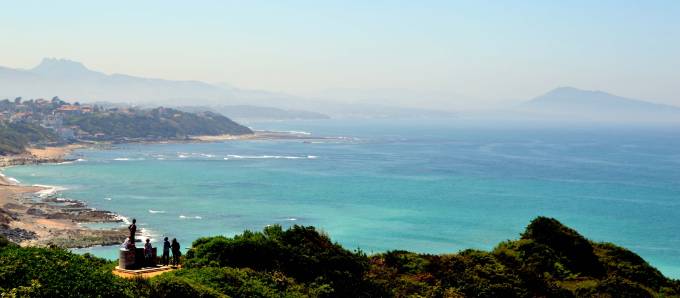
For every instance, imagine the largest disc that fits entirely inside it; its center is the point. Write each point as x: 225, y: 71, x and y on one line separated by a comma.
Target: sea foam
x: 234, y: 156
x: 48, y: 190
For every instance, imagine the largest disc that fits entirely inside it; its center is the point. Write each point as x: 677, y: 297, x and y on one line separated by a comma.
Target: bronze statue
x: 133, y: 230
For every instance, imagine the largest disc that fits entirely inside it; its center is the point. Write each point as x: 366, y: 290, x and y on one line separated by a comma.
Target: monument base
x: 126, y: 259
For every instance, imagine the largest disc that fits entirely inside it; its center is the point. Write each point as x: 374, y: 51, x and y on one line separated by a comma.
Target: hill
x: 549, y: 260
x: 42, y: 122
x: 572, y: 103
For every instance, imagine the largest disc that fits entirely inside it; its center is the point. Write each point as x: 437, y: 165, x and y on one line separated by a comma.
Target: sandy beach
x: 58, y: 152
x: 35, y: 215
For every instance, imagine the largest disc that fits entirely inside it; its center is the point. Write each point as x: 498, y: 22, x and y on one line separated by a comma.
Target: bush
x: 172, y: 286
x: 576, y: 249
x: 57, y: 273
x: 235, y: 282
x: 299, y: 252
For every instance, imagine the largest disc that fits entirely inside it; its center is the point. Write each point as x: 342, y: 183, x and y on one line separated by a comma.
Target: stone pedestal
x: 139, y: 257
x: 126, y: 259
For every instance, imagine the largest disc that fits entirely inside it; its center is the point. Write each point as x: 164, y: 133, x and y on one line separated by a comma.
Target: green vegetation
x: 40, y: 122
x: 42, y: 272
x: 15, y: 137
x: 159, y: 123
x: 549, y: 260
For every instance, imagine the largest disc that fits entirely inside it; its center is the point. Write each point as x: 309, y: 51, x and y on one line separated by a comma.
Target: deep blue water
x: 436, y: 186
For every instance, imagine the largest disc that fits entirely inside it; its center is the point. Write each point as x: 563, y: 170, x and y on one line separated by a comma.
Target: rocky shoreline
x: 38, y: 216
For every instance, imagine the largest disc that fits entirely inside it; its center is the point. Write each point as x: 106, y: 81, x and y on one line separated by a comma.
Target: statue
x: 133, y: 231
x: 127, y: 254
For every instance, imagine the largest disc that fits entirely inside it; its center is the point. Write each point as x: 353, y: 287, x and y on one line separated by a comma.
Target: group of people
x: 168, y: 247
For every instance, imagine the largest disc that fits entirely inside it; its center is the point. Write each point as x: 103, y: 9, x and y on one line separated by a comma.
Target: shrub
x: 576, y: 249
x: 299, y: 252
x: 57, y: 273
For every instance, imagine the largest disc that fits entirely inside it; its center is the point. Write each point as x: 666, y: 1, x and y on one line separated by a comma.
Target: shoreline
x: 35, y: 215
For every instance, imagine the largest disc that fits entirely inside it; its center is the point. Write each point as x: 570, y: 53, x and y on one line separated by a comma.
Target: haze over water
x: 435, y: 186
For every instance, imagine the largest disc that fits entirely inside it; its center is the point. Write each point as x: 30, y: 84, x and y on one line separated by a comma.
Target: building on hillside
x: 86, y: 109
x: 21, y: 116
x: 53, y: 121
x: 66, y: 133
x: 69, y: 110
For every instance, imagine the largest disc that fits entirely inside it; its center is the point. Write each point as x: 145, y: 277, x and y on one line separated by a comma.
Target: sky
x: 468, y: 53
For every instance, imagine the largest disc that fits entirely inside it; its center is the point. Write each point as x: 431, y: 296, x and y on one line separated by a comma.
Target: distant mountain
x: 575, y: 103
x: 72, y: 80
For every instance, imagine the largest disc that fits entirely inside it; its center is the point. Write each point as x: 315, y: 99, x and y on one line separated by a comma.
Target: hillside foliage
x: 549, y: 260
x: 15, y: 137
x: 158, y: 123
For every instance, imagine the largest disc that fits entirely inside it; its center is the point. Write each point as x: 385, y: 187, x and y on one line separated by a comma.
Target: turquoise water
x: 428, y: 187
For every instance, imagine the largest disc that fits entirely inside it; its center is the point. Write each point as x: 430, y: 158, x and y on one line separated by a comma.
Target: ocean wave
x: 127, y: 159
x: 184, y: 155
x: 13, y: 180
x: 234, y: 156
x: 293, y: 132
x: 48, y: 190
x: 108, y: 199
x: 156, y: 211
x: 124, y: 219
x: 190, y: 217
x: 147, y: 233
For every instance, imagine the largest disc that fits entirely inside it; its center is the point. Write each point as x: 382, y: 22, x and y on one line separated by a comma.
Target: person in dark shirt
x: 175, y: 252
x: 148, y: 253
x: 166, y: 252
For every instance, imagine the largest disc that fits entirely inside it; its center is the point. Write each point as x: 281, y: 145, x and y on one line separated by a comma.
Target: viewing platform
x: 145, y: 272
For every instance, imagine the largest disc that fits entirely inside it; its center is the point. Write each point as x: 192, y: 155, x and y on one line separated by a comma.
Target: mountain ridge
x: 72, y: 79
x: 598, y: 105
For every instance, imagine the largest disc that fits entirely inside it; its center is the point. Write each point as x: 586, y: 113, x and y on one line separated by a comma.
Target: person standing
x: 166, y: 252
x: 175, y: 252
x: 148, y: 253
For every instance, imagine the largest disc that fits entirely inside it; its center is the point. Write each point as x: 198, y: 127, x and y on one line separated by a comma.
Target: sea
x: 423, y: 185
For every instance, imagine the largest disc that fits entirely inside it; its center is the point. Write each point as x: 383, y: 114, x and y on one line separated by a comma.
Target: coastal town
x: 50, y: 114
x: 41, y: 122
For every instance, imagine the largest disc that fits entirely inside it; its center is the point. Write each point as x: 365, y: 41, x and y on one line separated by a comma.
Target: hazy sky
x: 481, y: 50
